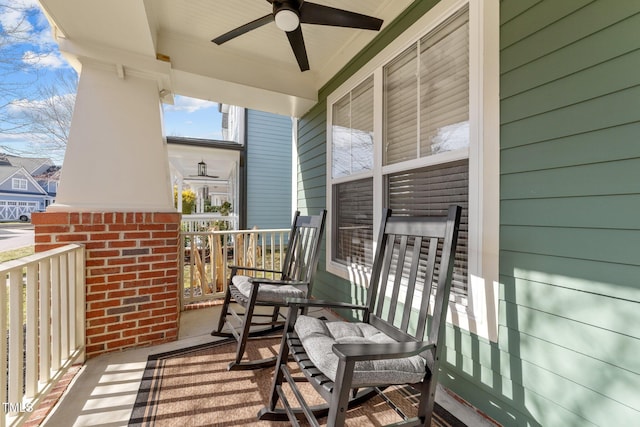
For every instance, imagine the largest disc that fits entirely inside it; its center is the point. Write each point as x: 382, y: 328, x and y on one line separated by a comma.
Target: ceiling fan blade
x: 243, y: 29
x: 297, y: 44
x: 312, y: 13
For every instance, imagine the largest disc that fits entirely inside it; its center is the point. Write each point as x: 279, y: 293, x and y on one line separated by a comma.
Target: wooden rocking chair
x: 294, y: 280
x: 399, y: 341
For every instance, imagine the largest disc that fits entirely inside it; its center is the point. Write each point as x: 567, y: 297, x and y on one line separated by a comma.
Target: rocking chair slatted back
x: 301, y: 260
x: 347, y: 362
x: 403, y: 276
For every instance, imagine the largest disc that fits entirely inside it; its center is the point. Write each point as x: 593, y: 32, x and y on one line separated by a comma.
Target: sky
x: 31, y: 61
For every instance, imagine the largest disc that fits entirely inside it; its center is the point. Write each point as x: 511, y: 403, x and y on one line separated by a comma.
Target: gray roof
x: 31, y: 164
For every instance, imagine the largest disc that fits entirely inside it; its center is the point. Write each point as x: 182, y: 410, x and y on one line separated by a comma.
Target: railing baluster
x: 264, y: 252
x: 282, y: 255
x: 71, y: 273
x: 272, y: 250
x: 16, y: 335
x: 55, y: 314
x: 254, y: 248
x: 80, y: 308
x: 31, y: 380
x: 64, y: 306
x: 225, y: 259
x: 45, y: 313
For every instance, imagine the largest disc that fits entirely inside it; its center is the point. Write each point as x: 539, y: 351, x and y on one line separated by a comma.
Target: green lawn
x: 11, y: 255
x: 16, y: 253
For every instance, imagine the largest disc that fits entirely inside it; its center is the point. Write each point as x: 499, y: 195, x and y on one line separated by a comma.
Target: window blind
x: 401, y: 108
x: 444, y: 87
x: 430, y: 191
x: 353, y: 222
x: 437, y: 70
x: 341, y: 138
x: 362, y: 127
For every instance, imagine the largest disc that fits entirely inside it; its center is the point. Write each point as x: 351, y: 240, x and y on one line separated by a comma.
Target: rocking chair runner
x: 388, y: 347
x: 295, y: 280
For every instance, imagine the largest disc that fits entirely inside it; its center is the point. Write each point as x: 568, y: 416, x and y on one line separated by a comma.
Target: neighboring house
x: 251, y: 168
x: 26, y: 185
x: 267, y: 195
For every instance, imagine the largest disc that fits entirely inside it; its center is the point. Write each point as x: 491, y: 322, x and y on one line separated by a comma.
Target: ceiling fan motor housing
x: 286, y: 15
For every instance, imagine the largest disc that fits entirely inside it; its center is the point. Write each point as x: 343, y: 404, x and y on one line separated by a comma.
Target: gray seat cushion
x: 318, y: 337
x: 267, y: 292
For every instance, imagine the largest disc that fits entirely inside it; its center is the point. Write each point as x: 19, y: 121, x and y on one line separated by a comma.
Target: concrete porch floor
x: 104, y: 391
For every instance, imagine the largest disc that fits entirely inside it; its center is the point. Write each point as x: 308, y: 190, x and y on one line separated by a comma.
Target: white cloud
x: 18, y: 106
x: 24, y: 24
x: 43, y: 60
x: 14, y: 20
x: 189, y: 105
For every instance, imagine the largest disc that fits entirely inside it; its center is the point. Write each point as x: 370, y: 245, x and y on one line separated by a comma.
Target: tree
x: 35, y: 104
x: 188, y: 200
x: 45, y: 119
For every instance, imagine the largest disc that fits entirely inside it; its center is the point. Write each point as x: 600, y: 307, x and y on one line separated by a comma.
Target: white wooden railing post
x: 46, y: 301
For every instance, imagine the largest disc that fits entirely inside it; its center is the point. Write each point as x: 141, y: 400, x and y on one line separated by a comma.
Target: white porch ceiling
x: 256, y: 70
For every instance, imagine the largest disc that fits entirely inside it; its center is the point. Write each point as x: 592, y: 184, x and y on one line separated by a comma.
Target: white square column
x: 116, y: 157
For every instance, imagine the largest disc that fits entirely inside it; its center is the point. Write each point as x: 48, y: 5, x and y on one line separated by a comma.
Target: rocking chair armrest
x: 323, y: 303
x: 241, y: 267
x: 358, y: 352
x: 266, y: 281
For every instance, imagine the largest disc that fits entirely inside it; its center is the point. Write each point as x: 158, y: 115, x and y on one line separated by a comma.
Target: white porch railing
x: 207, y: 221
x: 42, y: 332
x: 206, y: 257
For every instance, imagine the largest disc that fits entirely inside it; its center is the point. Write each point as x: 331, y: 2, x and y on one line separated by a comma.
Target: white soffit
x: 259, y: 67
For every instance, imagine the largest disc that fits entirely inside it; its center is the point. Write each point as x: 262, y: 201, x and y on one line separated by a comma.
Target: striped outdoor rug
x: 192, y: 387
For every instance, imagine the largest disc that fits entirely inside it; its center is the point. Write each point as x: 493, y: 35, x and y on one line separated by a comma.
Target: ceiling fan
x: 289, y: 14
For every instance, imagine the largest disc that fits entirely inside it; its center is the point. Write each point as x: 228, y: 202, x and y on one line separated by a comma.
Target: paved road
x: 15, y: 236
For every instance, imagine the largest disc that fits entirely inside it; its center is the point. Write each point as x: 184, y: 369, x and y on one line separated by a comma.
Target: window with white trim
x: 351, y: 172
x: 405, y: 132
x: 19, y: 184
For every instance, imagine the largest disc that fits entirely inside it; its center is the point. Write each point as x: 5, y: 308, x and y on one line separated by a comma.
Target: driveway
x: 15, y: 236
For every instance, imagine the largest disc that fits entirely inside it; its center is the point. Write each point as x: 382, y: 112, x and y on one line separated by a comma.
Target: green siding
x: 569, y: 237
x: 569, y: 303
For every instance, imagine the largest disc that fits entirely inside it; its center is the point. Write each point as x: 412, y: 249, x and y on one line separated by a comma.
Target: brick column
x: 131, y: 273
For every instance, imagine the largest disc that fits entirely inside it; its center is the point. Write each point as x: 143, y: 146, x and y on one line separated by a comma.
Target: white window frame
x: 479, y: 316
x: 19, y: 184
